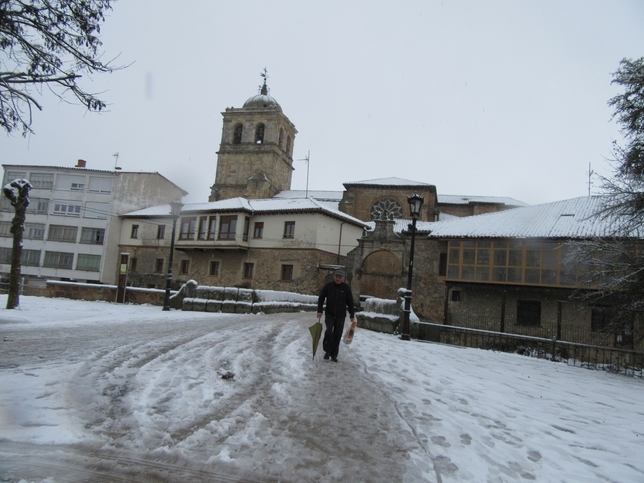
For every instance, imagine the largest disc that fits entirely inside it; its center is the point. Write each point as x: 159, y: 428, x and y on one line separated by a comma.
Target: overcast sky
x: 495, y: 98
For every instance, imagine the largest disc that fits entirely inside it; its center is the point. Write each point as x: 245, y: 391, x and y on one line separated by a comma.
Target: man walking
x: 338, y: 298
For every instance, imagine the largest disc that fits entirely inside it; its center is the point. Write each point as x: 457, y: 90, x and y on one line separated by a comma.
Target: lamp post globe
x: 175, y: 210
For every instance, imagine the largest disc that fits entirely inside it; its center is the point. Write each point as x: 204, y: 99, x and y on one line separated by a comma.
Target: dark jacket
x: 338, y: 299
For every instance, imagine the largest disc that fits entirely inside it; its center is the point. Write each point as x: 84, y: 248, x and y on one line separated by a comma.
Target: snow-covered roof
x: 570, y: 219
x: 466, y: 200
x: 330, y: 199
x: 387, y: 182
x: 265, y: 206
x: 315, y: 194
x: 401, y: 225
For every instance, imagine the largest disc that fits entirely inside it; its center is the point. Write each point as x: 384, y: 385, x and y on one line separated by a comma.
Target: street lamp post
x: 175, y: 209
x: 415, y: 202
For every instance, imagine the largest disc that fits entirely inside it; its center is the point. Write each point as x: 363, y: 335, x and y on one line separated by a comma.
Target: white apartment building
x: 72, y: 227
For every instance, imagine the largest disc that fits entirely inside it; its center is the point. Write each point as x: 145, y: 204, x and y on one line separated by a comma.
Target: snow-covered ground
x: 93, y: 391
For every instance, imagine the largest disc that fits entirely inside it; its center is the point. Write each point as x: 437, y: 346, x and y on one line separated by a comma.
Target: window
x: 5, y: 228
x: 214, y: 268
x: 528, y: 312
x: 89, y: 263
x: 70, y: 183
x: 288, y: 145
x: 134, y: 233
x: 456, y: 295
x: 289, y: 229
x: 237, y: 134
x: 5, y: 204
x: 67, y: 208
x: 246, y: 228
x: 62, y: 233
x: 287, y: 272
x: 509, y: 261
x: 42, y: 181
x: 280, y: 142
x: 442, y: 265
x: 212, y: 227
x: 600, y: 318
x: 30, y: 258
x: 203, y: 228
x: 185, y: 266
x: 11, y: 175
x: 58, y: 260
x: 248, y: 270
x: 99, y: 211
x: 100, y: 185
x: 34, y: 231
x: 133, y: 264
x: 158, y: 266
x: 228, y: 227
x: 188, y: 228
x: 387, y: 209
x: 93, y: 236
x: 160, y: 232
x: 258, y: 231
x: 38, y: 206
x: 259, y: 133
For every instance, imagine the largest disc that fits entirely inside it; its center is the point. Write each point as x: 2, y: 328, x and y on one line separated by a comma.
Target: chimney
x: 81, y: 163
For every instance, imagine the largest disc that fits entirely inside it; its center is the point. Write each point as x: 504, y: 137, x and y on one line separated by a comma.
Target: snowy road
x: 106, y: 392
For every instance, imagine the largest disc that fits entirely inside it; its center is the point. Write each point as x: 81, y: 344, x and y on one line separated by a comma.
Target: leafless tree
x: 48, y: 43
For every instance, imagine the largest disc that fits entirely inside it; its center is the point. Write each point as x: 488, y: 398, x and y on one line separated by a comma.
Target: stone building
x: 255, y: 157
x: 504, y: 271
x: 270, y: 244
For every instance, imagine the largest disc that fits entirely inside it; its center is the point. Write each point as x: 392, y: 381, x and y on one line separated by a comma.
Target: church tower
x: 255, y: 157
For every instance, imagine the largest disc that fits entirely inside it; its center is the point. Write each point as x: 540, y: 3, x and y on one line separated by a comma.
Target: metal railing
x: 611, y: 359
x: 564, y: 332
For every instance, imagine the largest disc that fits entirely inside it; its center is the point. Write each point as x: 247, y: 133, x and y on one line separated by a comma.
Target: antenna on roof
x: 307, y: 159
x: 116, y: 160
x: 590, y: 174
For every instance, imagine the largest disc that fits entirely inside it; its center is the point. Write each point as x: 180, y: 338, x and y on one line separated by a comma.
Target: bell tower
x: 255, y: 157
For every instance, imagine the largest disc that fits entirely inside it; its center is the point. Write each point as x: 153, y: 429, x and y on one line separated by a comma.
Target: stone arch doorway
x: 381, y: 275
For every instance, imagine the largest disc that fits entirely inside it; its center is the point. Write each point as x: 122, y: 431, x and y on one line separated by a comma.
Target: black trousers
x: 333, y: 334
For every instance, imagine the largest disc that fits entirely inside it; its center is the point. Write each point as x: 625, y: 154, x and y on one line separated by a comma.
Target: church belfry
x: 255, y: 157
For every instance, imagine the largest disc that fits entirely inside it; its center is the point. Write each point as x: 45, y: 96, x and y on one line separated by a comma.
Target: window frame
x: 289, y: 229
x: 184, y: 268
x: 92, y: 236
x: 90, y: 261
x: 287, y: 273
x: 249, y: 270
x: 134, y: 232
x: 63, y: 260
x: 62, y: 233
x: 188, y: 229
x: 216, y: 265
x: 62, y: 208
x: 230, y: 222
x: 258, y: 230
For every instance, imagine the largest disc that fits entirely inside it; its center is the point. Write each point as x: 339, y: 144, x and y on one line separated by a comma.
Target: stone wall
x: 385, y: 315
x: 233, y: 300
x: 106, y: 293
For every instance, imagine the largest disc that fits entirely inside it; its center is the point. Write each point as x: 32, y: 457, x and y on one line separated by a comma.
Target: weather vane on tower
x: 264, y: 88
